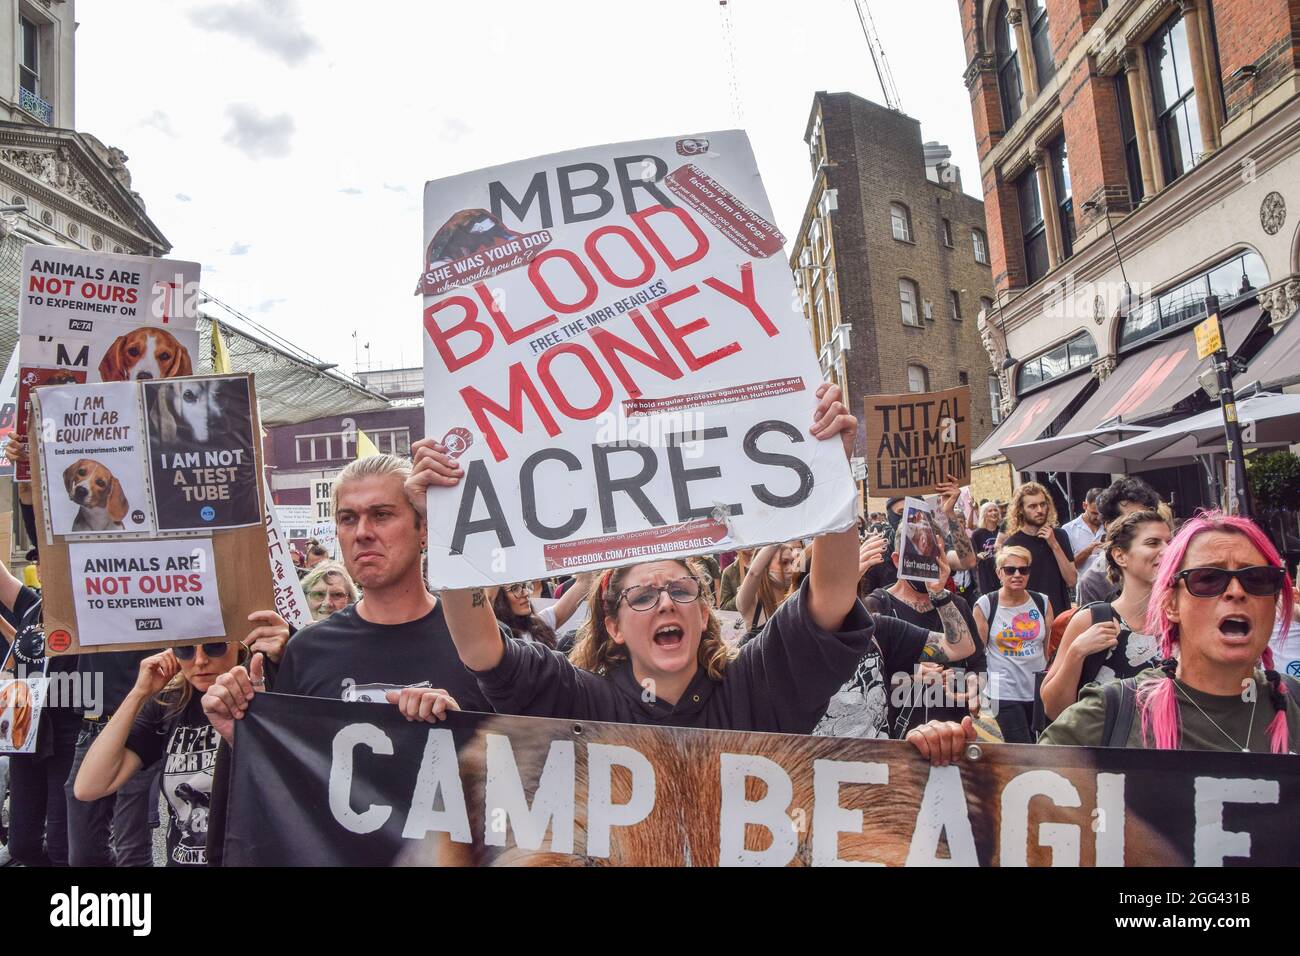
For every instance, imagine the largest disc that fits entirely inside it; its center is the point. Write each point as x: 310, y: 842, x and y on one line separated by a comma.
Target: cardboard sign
x: 372, y: 788
x: 919, y: 542
x: 160, y: 587
x: 918, y: 440
x: 104, y: 318
x: 21, y: 703
x: 201, y: 453
x: 120, y: 590
x: 294, y: 520
x: 94, y: 449
x: 616, y: 365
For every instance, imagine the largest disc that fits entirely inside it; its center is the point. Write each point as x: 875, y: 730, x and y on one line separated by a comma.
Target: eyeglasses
x: 1012, y: 571
x: 645, y: 596
x: 1262, y: 580
x: 213, y: 649
x: 520, y: 589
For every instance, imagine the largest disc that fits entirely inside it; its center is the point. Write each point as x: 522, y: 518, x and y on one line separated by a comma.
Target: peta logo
x: 80, y: 325
x: 103, y: 909
x: 148, y: 624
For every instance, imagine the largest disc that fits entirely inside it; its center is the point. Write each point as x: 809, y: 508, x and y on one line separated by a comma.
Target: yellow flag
x: 220, y: 357
x: 365, y: 447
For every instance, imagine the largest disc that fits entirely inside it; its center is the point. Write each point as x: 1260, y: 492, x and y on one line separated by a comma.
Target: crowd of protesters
x: 1113, y: 629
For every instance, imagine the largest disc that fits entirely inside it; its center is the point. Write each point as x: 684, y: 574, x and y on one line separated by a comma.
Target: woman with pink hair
x: 1213, y: 607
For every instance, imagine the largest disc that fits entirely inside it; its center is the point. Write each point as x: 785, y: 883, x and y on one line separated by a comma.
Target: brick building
x: 891, y: 259
x: 1135, y: 156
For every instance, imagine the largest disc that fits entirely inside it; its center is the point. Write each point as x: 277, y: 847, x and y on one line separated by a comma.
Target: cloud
x: 352, y: 190
x: 271, y: 25
x: 266, y: 305
x: 394, y: 189
x: 181, y: 197
x: 453, y: 128
x: 161, y: 122
x: 256, y: 135
x: 238, y: 248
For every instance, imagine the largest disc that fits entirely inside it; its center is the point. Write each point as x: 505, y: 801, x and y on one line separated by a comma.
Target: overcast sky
x: 284, y: 145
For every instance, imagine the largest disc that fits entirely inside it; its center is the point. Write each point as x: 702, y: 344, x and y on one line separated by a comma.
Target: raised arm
x: 955, y: 642
x: 108, y: 763
x: 747, y: 594
x: 1082, y: 638
x: 833, y: 581
x: 962, y: 557
x: 568, y: 601
x: 474, y: 628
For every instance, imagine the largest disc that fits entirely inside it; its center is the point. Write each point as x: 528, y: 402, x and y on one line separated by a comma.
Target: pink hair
x: 1157, y: 697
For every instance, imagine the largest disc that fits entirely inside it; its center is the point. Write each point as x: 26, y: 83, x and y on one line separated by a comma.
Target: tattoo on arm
x: 480, y: 598
x: 955, y: 631
x: 961, y: 542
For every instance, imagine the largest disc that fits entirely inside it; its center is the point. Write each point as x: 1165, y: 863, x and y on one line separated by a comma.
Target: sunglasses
x: 645, y: 596
x: 1262, y: 580
x: 213, y: 649
x: 1011, y: 570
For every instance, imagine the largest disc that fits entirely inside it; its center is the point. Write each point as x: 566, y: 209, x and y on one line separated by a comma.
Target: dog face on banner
x: 683, y: 827
x: 143, y: 354
x: 189, y: 411
x: 98, y: 495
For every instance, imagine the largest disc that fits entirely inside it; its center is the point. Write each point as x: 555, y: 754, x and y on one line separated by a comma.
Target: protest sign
x: 165, y: 586
x: 617, y: 365
x: 290, y: 602
x: 21, y: 703
x: 118, y: 590
x: 326, y: 535
x: 202, y: 453
x: 107, y: 318
x: 372, y: 788
x: 295, y: 521
x: 30, y: 378
x: 93, y: 449
x: 919, y: 542
x: 8, y: 411
x: 918, y: 440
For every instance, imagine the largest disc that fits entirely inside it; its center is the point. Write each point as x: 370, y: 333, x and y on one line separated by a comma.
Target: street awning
x: 1151, y: 382
x: 1267, y: 421
x: 1031, y: 417
x: 1071, y: 451
x: 1278, y: 362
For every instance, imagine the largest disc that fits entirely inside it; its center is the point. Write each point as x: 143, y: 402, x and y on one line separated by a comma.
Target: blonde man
x: 1031, y: 524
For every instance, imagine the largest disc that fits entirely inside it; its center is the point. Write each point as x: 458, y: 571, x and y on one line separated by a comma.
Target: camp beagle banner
x: 94, y: 317
x: 917, y: 441
x: 372, y: 788
x: 615, y: 353
x: 149, y: 498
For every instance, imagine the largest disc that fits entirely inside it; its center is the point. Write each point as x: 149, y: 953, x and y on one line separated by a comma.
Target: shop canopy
x: 1079, y: 451
x: 1031, y: 417
x: 1267, y: 421
x: 1278, y: 362
x: 1149, y: 383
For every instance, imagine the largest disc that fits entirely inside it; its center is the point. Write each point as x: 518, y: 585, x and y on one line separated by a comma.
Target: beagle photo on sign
x: 145, y: 353
x: 101, y: 503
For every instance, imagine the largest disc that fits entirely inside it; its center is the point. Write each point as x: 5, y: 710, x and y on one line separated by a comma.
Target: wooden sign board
x: 239, y: 555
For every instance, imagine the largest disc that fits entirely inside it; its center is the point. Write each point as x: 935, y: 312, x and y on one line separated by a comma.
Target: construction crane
x: 878, y: 58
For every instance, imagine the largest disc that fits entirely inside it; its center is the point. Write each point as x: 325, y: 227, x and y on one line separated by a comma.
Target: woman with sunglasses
x: 1013, y: 623
x: 1213, y: 607
x: 514, y: 608
x: 162, y: 717
x: 652, y: 651
x: 1109, y: 641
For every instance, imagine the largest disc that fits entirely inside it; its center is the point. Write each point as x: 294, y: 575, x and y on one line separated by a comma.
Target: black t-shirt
x: 187, y: 745
x: 59, y: 716
x: 779, y: 682
x: 344, y: 656
x: 116, y: 672
x: 986, y: 571
x: 1044, y: 573
x: 923, y: 709
x: 1132, y: 654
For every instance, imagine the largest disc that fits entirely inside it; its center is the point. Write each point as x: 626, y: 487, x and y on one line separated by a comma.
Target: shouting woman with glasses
x: 1213, y: 607
x: 162, y: 716
x: 652, y: 651
x: 1013, y: 623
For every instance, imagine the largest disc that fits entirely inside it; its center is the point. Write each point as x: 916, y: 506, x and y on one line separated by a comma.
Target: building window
x: 995, y: 399
x: 1044, y: 65
x: 947, y: 233
x: 332, y: 447
x: 815, y: 143
x: 954, y: 303
x: 986, y: 307
x: 1064, y: 196
x: 1079, y: 352
x: 1008, y: 63
x: 1230, y: 280
x: 1128, y: 131
x: 29, y: 70
x: 918, y: 378
x: 1032, y: 228
x: 909, y: 299
x: 900, y: 221
x: 1177, y: 122
x: 391, y: 441
x: 981, y: 244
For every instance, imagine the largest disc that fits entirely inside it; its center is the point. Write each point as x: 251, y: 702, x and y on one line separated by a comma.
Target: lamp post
x: 1238, y: 496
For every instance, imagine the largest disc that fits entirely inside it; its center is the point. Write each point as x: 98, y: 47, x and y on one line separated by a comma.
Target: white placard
x: 145, y: 591
x: 21, y: 702
x: 613, y: 350
x: 290, y: 602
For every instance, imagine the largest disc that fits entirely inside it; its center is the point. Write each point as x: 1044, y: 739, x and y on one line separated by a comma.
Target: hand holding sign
x: 942, y: 741
x: 422, y: 703
x: 432, y: 466
x: 228, y: 698
x: 831, y: 418
x: 871, y: 552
